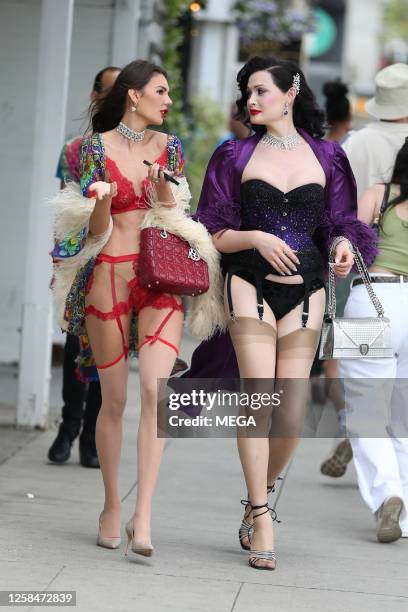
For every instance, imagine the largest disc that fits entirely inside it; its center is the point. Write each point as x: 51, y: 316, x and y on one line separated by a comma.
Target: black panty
x: 280, y: 297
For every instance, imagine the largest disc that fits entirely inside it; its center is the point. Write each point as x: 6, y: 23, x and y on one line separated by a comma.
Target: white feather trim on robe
x: 72, y: 213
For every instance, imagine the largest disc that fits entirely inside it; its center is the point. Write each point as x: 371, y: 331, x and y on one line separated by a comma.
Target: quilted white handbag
x: 352, y: 337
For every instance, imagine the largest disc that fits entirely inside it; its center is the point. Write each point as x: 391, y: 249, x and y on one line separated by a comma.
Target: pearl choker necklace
x: 283, y: 143
x: 130, y: 134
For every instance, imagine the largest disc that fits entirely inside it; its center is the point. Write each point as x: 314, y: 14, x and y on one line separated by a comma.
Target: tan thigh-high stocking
x: 296, y: 348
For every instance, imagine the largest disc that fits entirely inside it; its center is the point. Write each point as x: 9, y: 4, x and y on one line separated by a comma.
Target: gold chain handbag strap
x: 363, y: 272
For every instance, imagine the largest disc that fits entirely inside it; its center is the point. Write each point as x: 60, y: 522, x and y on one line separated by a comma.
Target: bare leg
x: 155, y: 361
x: 107, y: 344
x: 108, y: 438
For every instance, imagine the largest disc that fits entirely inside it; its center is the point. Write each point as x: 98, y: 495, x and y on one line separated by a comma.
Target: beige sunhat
x: 391, y: 93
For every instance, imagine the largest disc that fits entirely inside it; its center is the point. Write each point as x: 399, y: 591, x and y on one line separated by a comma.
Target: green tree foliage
x: 198, y: 124
x: 208, y: 122
x: 396, y: 19
x: 173, y: 36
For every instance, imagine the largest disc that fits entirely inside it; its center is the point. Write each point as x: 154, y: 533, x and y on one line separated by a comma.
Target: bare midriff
x: 296, y: 279
x: 125, y: 237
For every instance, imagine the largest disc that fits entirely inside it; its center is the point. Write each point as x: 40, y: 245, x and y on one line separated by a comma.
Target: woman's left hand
x: 164, y: 193
x: 344, y: 260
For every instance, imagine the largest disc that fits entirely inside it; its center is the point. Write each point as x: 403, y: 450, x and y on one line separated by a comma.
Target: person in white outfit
x: 372, y: 152
x: 377, y: 401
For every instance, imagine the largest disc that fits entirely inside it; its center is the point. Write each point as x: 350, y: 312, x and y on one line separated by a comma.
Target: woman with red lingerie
x: 112, y: 170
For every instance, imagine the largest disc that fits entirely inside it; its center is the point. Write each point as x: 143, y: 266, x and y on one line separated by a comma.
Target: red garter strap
x: 112, y: 259
x: 122, y: 308
x: 152, y: 339
x: 112, y: 363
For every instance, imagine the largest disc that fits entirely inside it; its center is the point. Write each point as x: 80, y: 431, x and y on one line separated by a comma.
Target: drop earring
x: 286, y: 109
x: 133, y: 108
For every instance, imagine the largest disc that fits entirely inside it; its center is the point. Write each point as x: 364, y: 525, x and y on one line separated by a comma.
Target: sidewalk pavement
x: 328, y: 558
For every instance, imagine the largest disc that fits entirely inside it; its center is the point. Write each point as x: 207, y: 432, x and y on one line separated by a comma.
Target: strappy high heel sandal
x: 139, y: 548
x: 262, y: 555
x: 246, y: 529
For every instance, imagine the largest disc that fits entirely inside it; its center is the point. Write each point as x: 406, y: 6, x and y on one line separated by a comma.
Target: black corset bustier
x: 293, y: 216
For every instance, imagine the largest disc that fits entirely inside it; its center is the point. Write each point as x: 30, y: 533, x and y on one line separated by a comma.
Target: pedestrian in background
x: 372, y: 152
x: 382, y: 463
x: 373, y: 149
x: 338, y: 110
x: 339, y: 117
x: 236, y: 130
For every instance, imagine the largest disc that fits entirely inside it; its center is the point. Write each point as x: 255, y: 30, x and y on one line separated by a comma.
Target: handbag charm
x: 355, y: 337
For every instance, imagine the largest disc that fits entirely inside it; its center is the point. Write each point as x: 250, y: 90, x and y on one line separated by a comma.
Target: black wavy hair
x: 337, y: 105
x: 106, y: 115
x: 306, y: 112
x: 399, y: 177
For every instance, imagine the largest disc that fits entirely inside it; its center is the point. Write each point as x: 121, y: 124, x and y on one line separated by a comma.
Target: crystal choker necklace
x: 283, y: 143
x: 130, y: 134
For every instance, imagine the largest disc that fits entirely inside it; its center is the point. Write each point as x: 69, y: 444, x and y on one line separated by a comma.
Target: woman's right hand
x: 103, y: 190
x: 279, y: 254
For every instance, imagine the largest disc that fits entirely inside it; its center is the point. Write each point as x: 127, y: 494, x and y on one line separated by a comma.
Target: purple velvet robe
x: 219, y: 208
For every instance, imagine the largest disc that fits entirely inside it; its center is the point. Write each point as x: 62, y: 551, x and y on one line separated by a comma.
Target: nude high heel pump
x: 139, y: 548
x: 106, y: 542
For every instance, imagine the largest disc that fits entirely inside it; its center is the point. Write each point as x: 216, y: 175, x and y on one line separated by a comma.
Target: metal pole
x: 49, y: 114
x: 126, y: 20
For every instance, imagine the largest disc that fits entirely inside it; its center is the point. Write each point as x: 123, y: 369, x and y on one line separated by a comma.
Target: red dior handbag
x: 170, y: 265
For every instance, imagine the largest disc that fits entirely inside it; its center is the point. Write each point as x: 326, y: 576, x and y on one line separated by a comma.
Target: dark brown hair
x: 106, y: 115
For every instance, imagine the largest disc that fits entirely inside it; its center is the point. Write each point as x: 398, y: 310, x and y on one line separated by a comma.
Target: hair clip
x: 296, y: 83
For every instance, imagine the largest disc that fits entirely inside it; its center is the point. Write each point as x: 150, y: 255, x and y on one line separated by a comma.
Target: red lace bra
x: 126, y: 198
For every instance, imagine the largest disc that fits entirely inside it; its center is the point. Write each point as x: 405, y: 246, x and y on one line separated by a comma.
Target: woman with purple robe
x: 276, y: 204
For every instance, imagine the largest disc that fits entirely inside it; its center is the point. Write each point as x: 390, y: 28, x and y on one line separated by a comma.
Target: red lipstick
x: 164, y: 112
x: 253, y: 111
